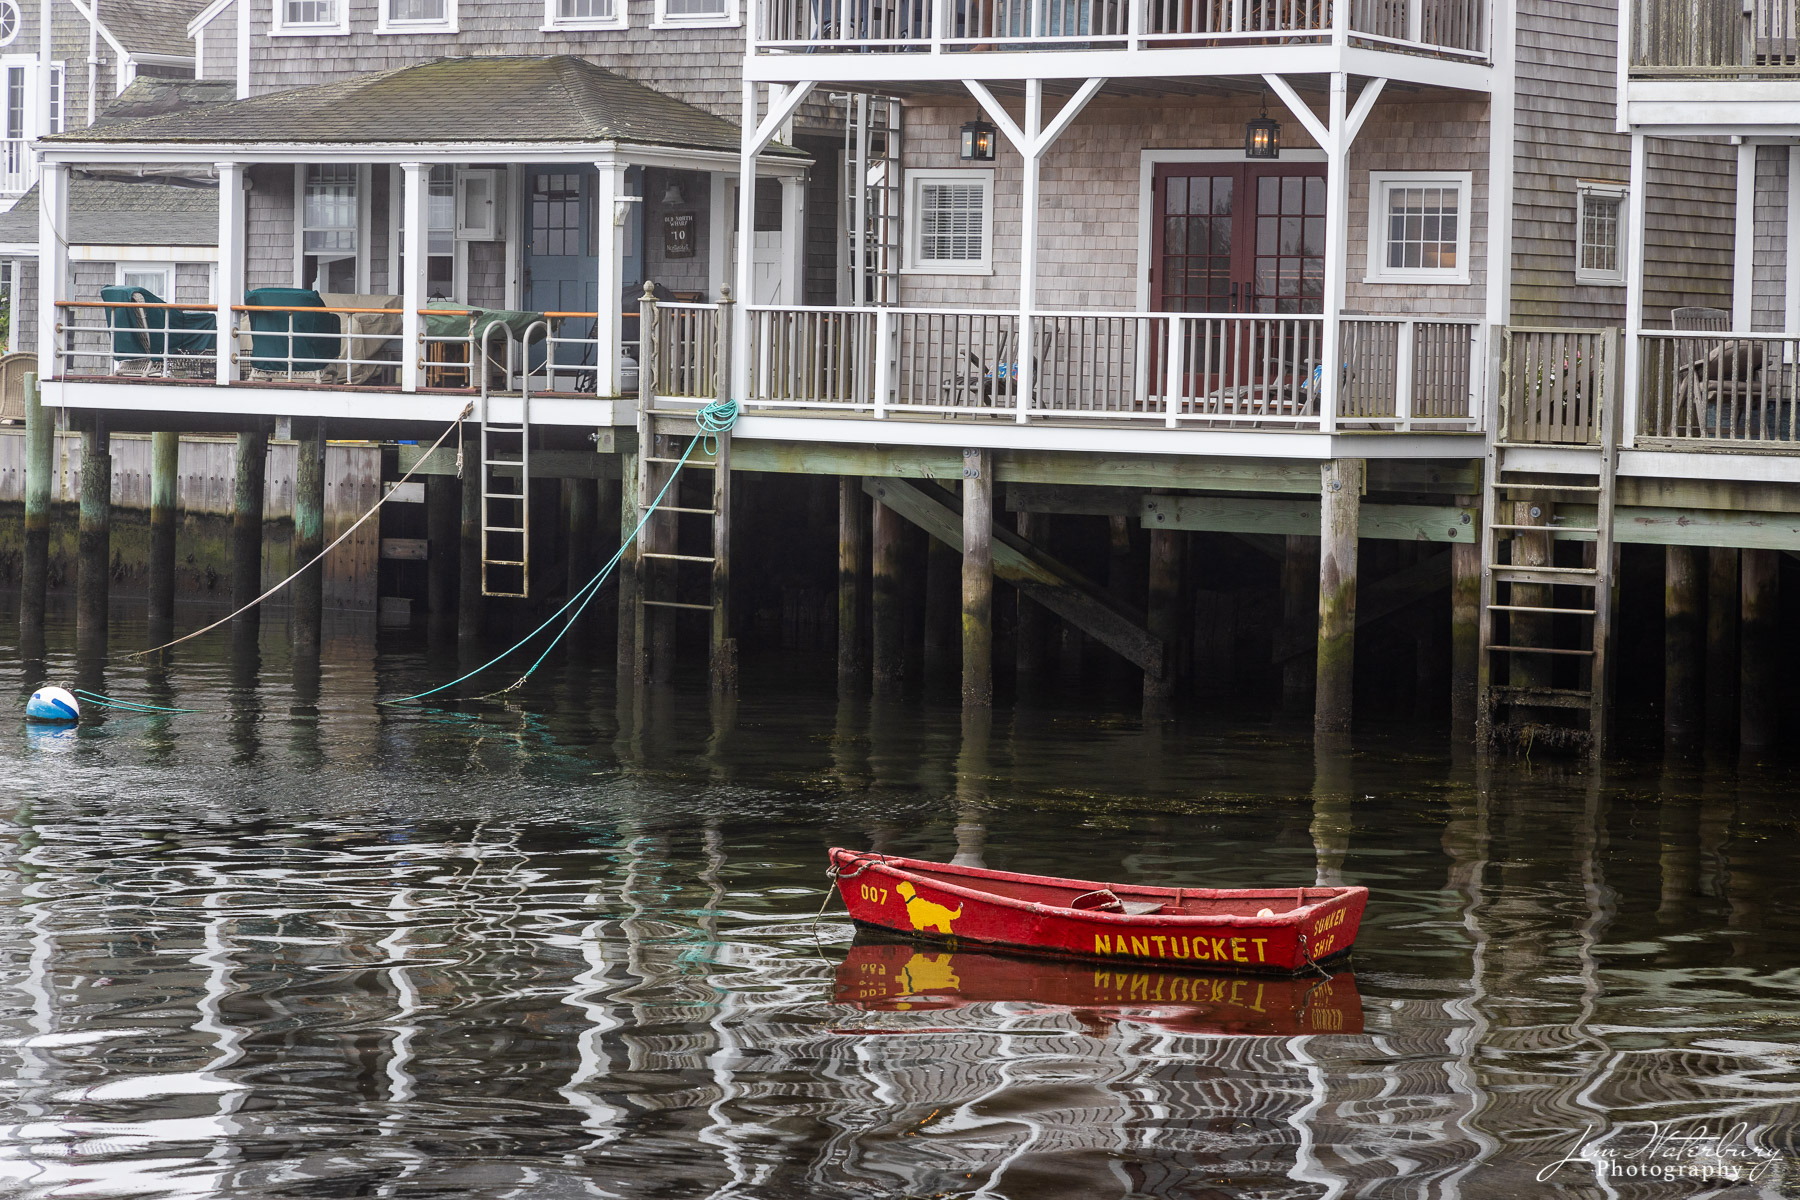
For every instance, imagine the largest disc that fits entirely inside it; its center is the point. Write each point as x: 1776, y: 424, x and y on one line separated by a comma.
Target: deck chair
x: 985, y: 382
x: 155, y: 341
x: 1716, y: 380
x: 292, y: 344
x: 13, y: 370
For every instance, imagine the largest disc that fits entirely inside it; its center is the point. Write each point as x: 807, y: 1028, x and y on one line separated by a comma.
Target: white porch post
x: 1025, y: 343
x: 231, y: 268
x: 1743, y: 244
x: 746, y: 239
x: 609, y: 298
x: 413, y: 275
x: 718, y: 233
x: 793, y: 239
x: 53, y: 261
x: 1337, y: 225
x: 1634, y: 288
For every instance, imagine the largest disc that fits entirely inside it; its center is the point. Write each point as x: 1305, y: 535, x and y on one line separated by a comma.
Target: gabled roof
x: 507, y: 100
x: 151, y: 96
x: 151, y: 26
x: 107, y: 213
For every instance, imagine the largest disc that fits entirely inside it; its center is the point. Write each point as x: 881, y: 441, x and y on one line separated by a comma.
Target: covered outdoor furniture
x: 372, y: 335
x: 287, y: 341
x: 146, y: 340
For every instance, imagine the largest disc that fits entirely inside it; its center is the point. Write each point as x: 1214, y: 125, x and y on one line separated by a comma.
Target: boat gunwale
x: 899, y: 866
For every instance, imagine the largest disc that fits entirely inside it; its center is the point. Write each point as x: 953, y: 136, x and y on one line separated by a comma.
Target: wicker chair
x: 13, y: 370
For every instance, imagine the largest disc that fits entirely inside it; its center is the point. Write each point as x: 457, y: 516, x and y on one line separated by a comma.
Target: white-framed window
x: 1419, y: 227
x: 584, y: 14
x: 310, y: 18
x: 157, y: 278
x: 10, y: 21
x: 330, y: 228
x: 57, y: 75
x: 690, y: 13
x: 445, y: 259
x: 414, y: 16
x: 950, y: 221
x: 1599, y: 232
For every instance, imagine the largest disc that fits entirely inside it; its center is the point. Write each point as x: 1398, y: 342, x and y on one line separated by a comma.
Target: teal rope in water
x: 127, y: 705
x: 713, y: 419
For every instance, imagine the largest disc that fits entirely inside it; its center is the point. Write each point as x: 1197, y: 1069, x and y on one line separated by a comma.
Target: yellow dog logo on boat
x: 925, y: 914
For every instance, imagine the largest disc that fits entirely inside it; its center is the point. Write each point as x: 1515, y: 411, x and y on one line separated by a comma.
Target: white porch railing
x: 811, y: 26
x: 1176, y: 369
x: 17, y: 172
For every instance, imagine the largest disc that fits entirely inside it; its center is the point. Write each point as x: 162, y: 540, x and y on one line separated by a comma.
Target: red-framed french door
x: 1237, y: 238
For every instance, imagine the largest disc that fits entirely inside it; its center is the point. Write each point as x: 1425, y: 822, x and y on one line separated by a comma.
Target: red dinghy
x: 1284, y: 930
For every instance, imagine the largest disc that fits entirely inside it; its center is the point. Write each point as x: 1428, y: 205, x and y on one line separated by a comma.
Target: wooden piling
x: 40, y: 465
x: 850, y: 570
x: 1031, y: 626
x: 1465, y: 635
x: 722, y: 658
x: 469, y: 603
x: 1759, y: 649
x: 978, y: 579
x: 94, y: 542
x: 1340, y: 504
x: 165, y: 475
x: 309, y: 532
x: 886, y: 603
x: 1163, y: 611
x: 941, y: 634
x: 441, y: 545
x: 1721, y: 644
x: 1684, y: 583
x: 627, y: 570
x: 582, y: 551
x: 1299, y: 610
x: 247, y: 519
x: 1530, y: 629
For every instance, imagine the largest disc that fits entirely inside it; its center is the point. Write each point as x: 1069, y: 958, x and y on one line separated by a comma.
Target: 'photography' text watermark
x: 1673, y: 1152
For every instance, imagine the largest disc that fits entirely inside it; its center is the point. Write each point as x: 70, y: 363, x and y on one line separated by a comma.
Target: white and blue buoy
x: 53, y: 705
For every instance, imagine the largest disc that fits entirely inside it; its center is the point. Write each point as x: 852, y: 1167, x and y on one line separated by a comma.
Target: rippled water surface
x: 295, y: 945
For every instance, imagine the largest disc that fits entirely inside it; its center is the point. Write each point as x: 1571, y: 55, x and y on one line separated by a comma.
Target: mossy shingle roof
x: 107, y: 213
x: 152, y: 26
x: 509, y: 100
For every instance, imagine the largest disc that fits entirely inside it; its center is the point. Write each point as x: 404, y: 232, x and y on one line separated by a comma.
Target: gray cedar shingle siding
x: 25, y: 336
x: 270, y: 228
x: 1768, y: 306
x: 108, y: 213
x: 1688, y: 226
x: 151, y: 26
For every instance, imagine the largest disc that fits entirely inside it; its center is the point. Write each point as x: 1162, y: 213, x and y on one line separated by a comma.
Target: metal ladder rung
x: 705, y: 558
x: 675, y: 604
x: 1528, y: 608
x: 503, y: 495
x: 1540, y: 650
x: 506, y: 529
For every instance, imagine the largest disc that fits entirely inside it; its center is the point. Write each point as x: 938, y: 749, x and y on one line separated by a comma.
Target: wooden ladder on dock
x: 661, y: 565
x: 1546, y: 611
x: 506, y: 502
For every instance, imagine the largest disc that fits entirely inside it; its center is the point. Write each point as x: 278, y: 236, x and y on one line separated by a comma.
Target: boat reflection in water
x: 889, y: 976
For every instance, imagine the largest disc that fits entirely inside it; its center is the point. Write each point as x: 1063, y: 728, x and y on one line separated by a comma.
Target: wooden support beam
x: 469, y: 600
x: 247, y: 519
x: 1340, y: 497
x: 1375, y: 601
x: 1684, y: 592
x: 1465, y: 635
x: 165, y: 477
x: 1231, y: 514
x: 722, y: 647
x: 1299, y: 634
x: 1056, y: 586
x: 1721, y: 644
x: 977, y: 579
x: 309, y: 533
x: 1030, y: 626
x: 1069, y: 499
x: 1276, y: 547
x: 850, y: 573
x: 40, y: 465
x: 582, y: 549
x: 1758, y: 656
x: 545, y: 464
x: 627, y: 570
x: 442, y: 539
x: 1163, y: 606
x: 886, y: 607
x: 94, y: 543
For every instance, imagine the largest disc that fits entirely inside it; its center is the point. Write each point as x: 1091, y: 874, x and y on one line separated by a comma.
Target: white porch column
x: 1634, y: 289
x: 53, y: 262
x: 232, y: 275
x: 414, y: 271
x: 1025, y: 344
x: 746, y: 243
x: 793, y: 239
x: 1743, y: 244
x: 1337, y: 226
x: 609, y: 326
x: 718, y: 233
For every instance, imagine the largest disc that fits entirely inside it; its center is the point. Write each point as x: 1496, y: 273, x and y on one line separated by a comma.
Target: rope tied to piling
x: 320, y: 556
x: 714, y: 419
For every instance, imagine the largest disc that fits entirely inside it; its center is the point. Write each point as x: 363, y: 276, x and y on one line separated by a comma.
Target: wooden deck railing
x: 1716, y: 37
x: 1554, y: 384
x: 1719, y: 387
x: 971, y: 26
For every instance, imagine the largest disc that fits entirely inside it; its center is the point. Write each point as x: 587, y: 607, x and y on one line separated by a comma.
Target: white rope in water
x: 320, y: 556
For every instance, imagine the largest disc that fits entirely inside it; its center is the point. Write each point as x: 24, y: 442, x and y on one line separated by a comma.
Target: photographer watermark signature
x: 1673, y: 1152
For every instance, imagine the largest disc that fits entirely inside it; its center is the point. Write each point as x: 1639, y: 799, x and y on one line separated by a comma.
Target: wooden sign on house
x: 678, y: 235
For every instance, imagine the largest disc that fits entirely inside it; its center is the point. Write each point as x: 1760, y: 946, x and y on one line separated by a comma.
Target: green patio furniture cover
x: 315, y: 336
x: 139, y: 332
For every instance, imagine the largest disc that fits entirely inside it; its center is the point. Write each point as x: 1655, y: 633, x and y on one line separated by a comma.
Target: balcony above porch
x: 1718, y: 65
x: 1440, y: 43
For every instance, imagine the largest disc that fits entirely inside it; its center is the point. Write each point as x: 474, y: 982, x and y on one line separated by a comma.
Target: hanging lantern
x: 1262, y: 136
x: 978, y: 142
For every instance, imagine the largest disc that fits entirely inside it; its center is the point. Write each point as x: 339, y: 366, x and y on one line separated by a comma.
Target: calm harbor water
x: 296, y: 945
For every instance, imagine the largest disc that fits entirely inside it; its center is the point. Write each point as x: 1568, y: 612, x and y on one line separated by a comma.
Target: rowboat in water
x: 1283, y: 930
x: 901, y: 977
